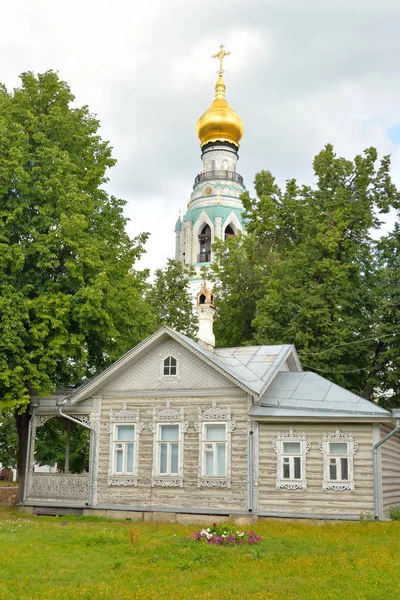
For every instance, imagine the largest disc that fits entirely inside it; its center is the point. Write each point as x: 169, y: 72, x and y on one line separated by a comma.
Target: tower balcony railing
x: 218, y: 174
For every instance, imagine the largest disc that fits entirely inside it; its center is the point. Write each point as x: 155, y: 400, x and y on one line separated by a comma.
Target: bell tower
x: 215, y: 208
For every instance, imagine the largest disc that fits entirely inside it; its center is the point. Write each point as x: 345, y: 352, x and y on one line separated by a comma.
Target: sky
x: 302, y: 73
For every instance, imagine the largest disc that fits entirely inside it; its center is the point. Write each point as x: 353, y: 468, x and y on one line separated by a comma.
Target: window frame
x: 159, y: 442
x: 214, y: 443
x: 291, y: 482
x: 128, y: 417
x: 124, y: 444
x: 339, y: 485
x: 168, y: 416
x: 215, y: 415
x: 168, y: 354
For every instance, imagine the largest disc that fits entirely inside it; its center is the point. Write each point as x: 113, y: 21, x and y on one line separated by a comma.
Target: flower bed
x: 226, y: 535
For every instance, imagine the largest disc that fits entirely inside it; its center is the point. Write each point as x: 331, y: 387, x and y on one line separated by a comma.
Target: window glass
x: 338, y: 448
x: 174, y: 458
x: 169, y: 432
x: 344, y: 462
x: 215, y: 432
x: 118, y: 460
x: 332, y: 469
x: 163, y: 458
x: 221, y: 454
x: 129, y: 458
x: 209, y: 461
x: 170, y: 366
x: 125, y: 432
x: 291, y: 447
x: 297, y: 467
x: 286, y: 468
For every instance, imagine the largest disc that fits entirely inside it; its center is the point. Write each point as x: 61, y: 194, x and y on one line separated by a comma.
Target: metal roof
x: 250, y: 367
x: 303, y: 394
x: 253, y: 366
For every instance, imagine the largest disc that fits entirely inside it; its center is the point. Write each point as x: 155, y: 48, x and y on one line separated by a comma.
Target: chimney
x: 205, y: 310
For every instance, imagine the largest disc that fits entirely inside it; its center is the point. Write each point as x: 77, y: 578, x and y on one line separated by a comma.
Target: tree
x: 8, y: 440
x: 314, y: 266
x: 385, y: 373
x: 63, y: 444
x: 70, y: 300
x: 170, y: 298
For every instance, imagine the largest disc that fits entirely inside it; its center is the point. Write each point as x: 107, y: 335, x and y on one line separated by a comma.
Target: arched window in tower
x: 202, y: 299
x: 213, y: 165
x: 229, y: 232
x: 204, y: 245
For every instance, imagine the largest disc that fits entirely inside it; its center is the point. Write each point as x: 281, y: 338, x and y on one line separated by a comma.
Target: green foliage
x: 8, y: 440
x: 50, y: 445
x: 170, y: 298
x: 308, y: 271
x: 94, y: 558
x: 70, y: 301
x: 394, y: 513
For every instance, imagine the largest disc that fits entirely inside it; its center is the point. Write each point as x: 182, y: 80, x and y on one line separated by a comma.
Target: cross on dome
x: 221, y: 55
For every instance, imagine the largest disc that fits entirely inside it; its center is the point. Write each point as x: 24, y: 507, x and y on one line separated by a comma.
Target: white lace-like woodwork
x: 59, y: 486
x: 352, y: 445
x: 212, y: 415
x: 172, y: 416
x: 125, y: 416
x: 291, y: 436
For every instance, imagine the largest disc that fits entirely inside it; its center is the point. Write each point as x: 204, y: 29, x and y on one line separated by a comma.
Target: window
x: 291, y: 449
x: 338, y: 451
x: 204, y: 245
x: 170, y: 366
x: 168, y: 427
x: 338, y: 461
x: 168, y: 449
x: 124, y: 449
x: 170, y: 363
x: 124, y: 428
x: 215, y: 426
x: 291, y: 460
x: 214, y: 450
x: 229, y: 232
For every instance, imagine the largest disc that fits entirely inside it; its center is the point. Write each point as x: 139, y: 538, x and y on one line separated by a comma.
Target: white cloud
x: 301, y: 74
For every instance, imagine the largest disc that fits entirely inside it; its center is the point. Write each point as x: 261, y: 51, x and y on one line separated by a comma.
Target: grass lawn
x: 54, y: 558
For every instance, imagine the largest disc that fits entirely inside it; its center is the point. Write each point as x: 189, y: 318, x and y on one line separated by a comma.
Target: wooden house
x: 180, y: 430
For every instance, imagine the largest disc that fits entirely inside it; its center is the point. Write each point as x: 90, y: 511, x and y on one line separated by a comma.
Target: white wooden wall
x: 190, y: 496
x: 390, y: 470
x: 314, y: 500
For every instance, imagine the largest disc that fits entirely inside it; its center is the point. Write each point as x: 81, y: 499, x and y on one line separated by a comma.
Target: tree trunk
x: 22, y: 422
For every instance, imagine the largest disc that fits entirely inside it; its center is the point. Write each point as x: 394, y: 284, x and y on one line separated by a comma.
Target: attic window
x: 170, y: 366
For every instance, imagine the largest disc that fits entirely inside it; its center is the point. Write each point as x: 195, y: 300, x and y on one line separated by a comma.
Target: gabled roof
x: 250, y: 367
x: 307, y: 394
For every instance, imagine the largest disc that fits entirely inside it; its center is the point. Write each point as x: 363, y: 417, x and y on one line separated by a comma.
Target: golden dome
x: 220, y: 123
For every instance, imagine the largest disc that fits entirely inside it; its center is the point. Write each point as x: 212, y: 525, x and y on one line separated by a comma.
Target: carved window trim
x: 352, y: 447
x: 171, y: 352
x: 168, y: 416
x: 215, y: 415
x: 291, y: 436
x: 124, y: 417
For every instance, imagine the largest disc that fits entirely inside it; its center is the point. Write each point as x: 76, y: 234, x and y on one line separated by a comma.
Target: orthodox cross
x: 221, y: 55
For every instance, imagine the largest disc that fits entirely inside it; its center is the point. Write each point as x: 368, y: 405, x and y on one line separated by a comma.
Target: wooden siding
x: 390, y: 470
x: 314, y: 500
x: 145, y: 374
x: 190, y: 496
